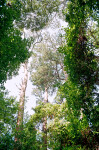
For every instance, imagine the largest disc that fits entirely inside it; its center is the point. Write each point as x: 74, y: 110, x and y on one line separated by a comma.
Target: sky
x: 13, y: 84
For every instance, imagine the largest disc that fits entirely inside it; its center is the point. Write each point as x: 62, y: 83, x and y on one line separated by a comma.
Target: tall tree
x: 36, y: 14
x: 13, y: 52
x: 79, y: 61
x: 13, y: 49
x: 46, y: 74
x: 34, y: 17
x: 19, y: 126
x: 45, y: 120
x: 43, y: 79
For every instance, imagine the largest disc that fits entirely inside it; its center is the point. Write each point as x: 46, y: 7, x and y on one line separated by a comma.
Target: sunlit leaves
x: 45, y: 68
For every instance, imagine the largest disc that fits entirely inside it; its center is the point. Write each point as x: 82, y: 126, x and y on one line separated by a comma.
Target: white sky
x: 13, y: 85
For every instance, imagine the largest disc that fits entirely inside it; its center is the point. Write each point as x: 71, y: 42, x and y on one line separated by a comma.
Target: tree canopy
x: 13, y: 49
x: 67, y: 69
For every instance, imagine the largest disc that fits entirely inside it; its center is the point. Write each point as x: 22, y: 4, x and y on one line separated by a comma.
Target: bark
x: 45, y: 122
x: 81, y: 113
x: 65, y: 73
x: 46, y: 96
x: 19, y: 125
x: 97, y: 58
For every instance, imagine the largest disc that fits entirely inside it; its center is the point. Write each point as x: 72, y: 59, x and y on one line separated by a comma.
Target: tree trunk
x: 81, y: 113
x: 65, y: 73
x: 45, y: 121
x: 19, y: 125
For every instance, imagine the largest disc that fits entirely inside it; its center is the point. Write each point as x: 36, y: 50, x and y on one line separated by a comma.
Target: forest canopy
x: 64, y: 72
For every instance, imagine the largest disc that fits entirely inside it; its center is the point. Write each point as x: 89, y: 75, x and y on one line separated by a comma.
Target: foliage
x: 35, y: 14
x: 8, y: 109
x: 81, y: 65
x: 79, y: 60
x: 13, y: 49
x: 27, y: 137
x: 6, y: 141
x: 43, y: 68
x: 73, y: 122
x: 64, y: 130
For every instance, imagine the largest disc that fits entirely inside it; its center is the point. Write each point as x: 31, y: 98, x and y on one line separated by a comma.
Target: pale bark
x: 65, y: 73
x: 81, y: 113
x: 45, y: 121
x: 21, y: 101
x: 46, y: 96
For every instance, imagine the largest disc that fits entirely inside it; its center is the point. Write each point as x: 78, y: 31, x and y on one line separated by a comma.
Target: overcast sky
x: 13, y: 85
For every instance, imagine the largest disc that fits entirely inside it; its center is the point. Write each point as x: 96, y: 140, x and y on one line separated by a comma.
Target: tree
x: 64, y: 130
x: 30, y: 11
x: 79, y: 60
x: 43, y: 79
x: 72, y: 123
x: 36, y: 14
x: 46, y: 73
x: 8, y: 109
x: 19, y: 126
x: 27, y: 138
x: 13, y: 50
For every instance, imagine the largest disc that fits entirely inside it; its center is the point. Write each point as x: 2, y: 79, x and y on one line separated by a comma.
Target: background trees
x: 46, y: 73
x: 35, y: 18
x: 71, y: 120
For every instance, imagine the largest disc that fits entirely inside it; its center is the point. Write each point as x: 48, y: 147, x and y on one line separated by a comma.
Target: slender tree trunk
x: 19, y: 125
x: 81, y: 113
x: 65, y: 73
x: 45, y: 122
x: 46, y: 96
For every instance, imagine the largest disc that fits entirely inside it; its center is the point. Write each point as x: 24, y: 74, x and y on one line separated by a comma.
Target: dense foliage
x: 35, y: 14
x: 8, y: 109
x: 46, y: 70
x: 80, y: 63
x: 13, y: 49
x: 71, y: 121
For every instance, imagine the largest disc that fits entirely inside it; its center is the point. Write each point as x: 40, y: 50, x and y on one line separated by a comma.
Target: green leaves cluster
x: 8, y: 109
x: 45, y: 68
x: 37, y: 13
x: 79, y: 60
x: 28, y: 137
x: 63, y: 129
x: 13, y: 49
